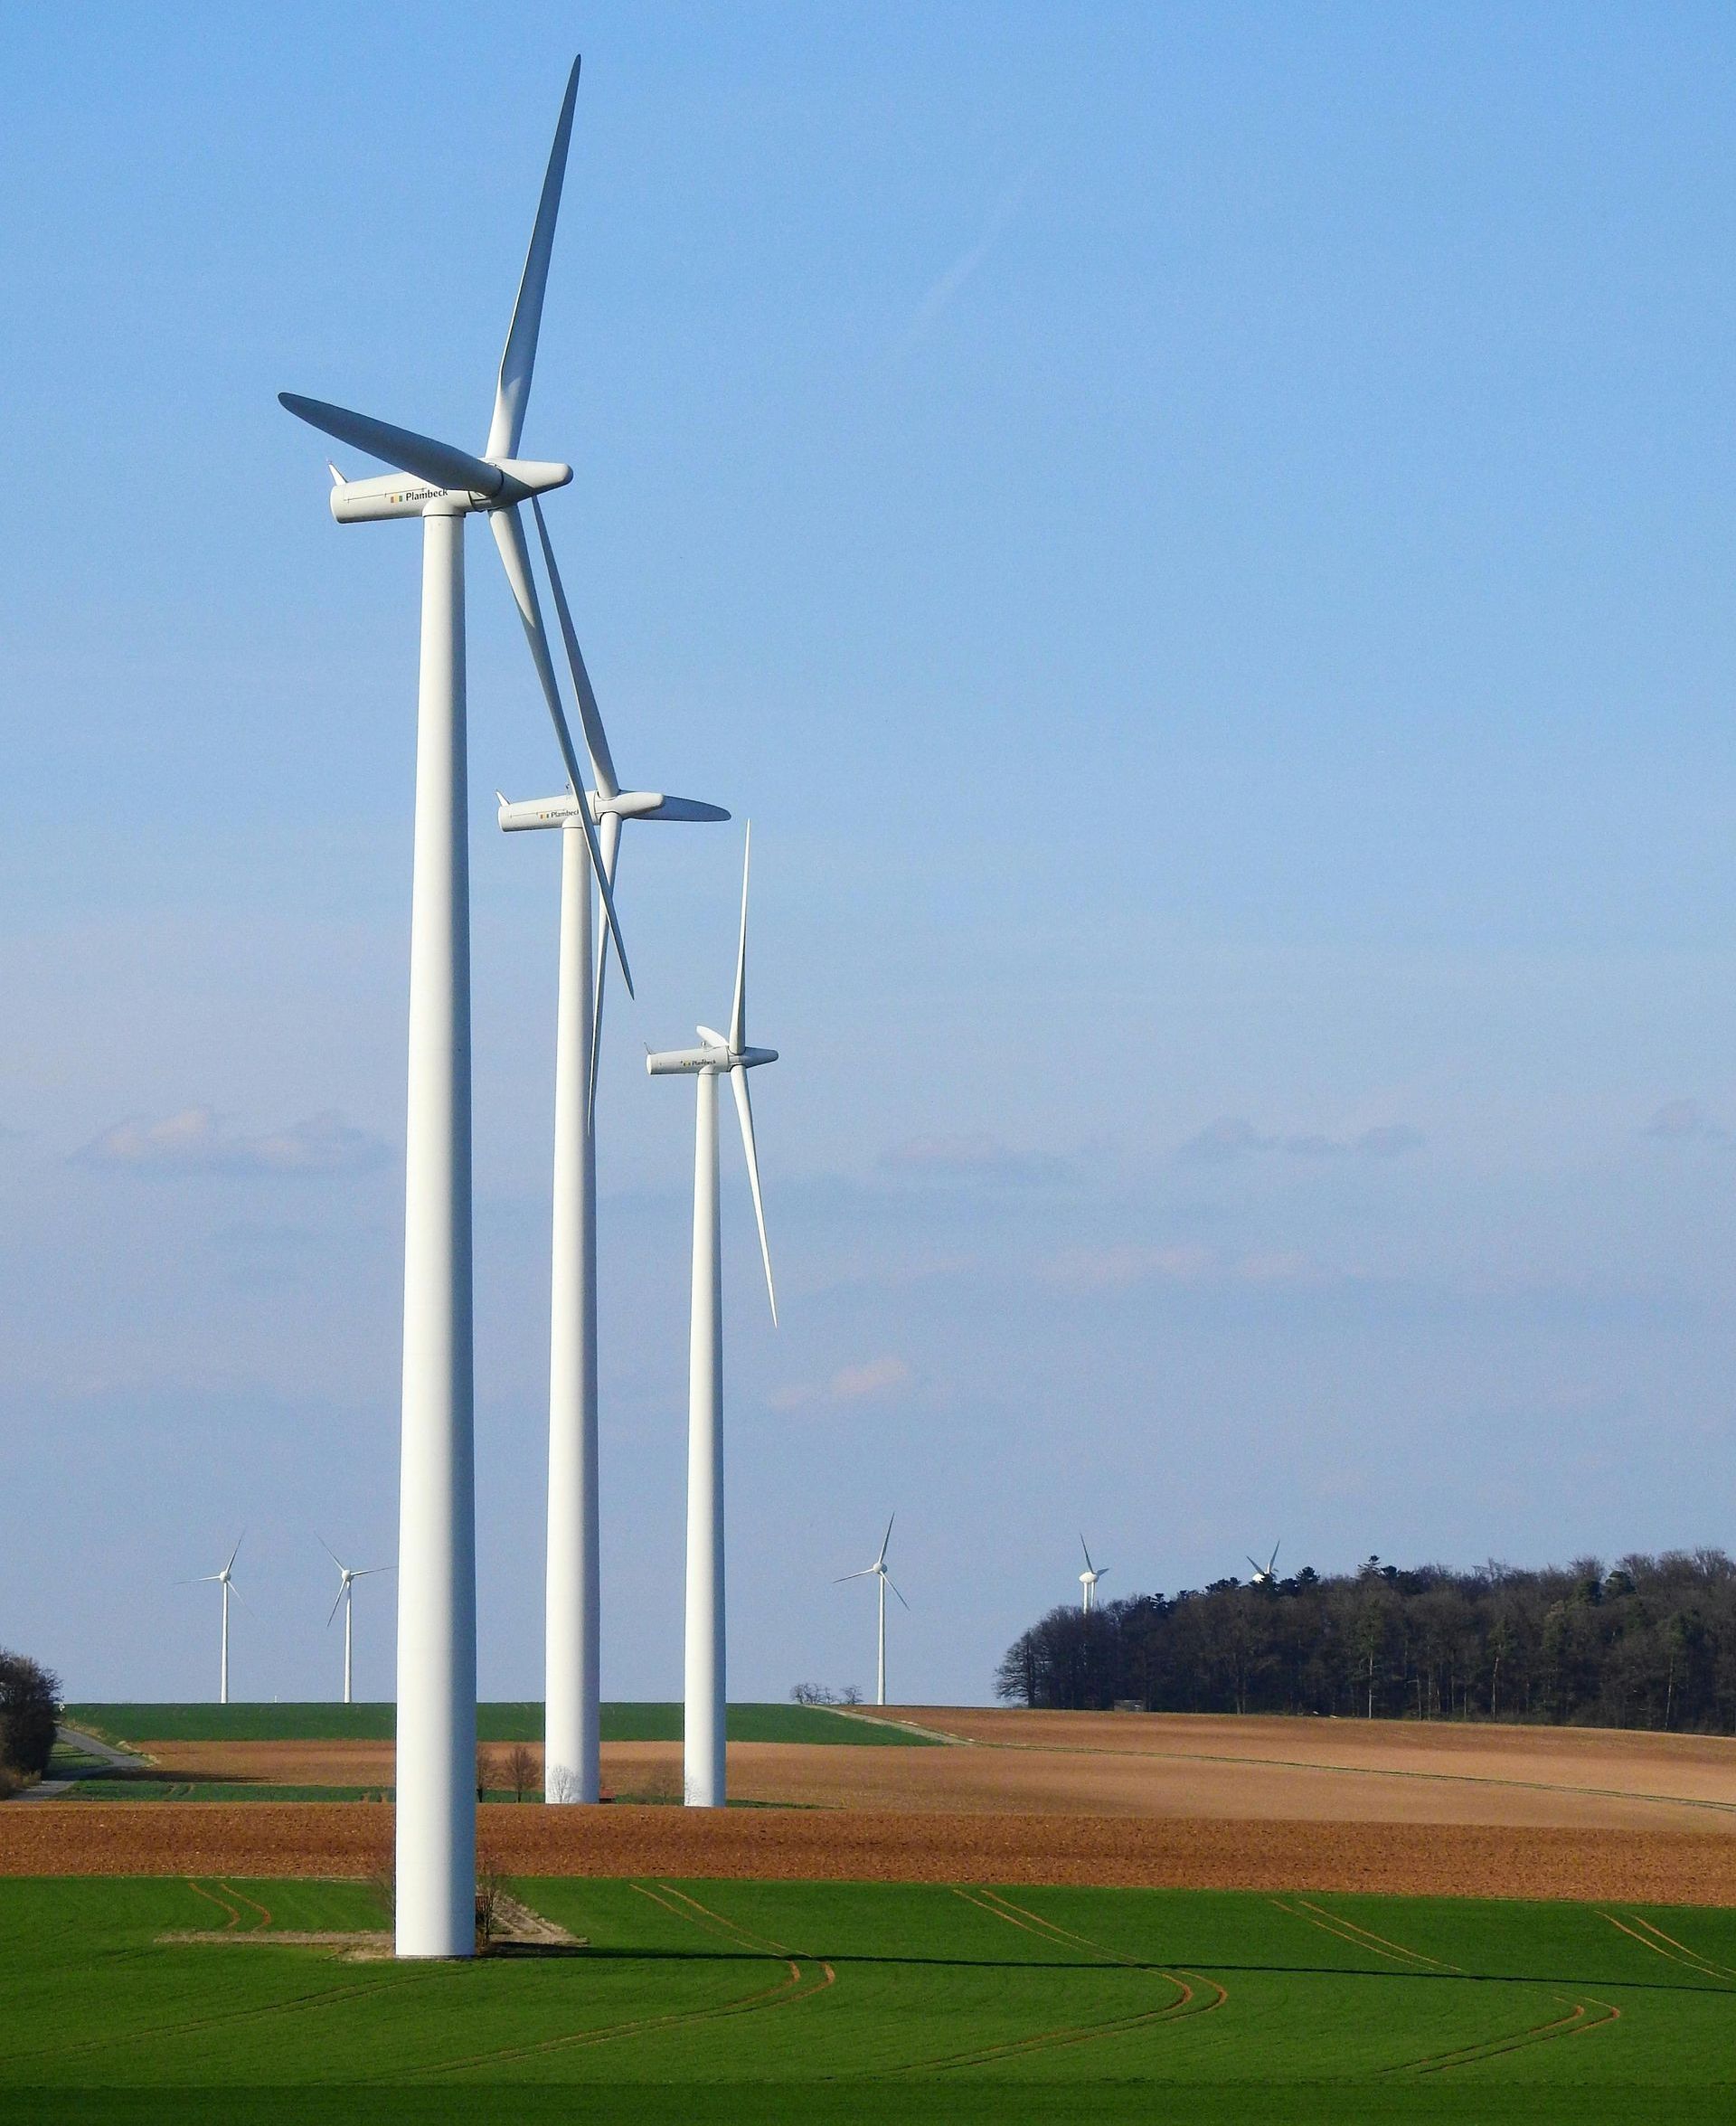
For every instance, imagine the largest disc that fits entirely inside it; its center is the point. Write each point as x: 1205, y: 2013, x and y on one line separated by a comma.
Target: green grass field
x: 834, y: 2002
x: 501, y: 1722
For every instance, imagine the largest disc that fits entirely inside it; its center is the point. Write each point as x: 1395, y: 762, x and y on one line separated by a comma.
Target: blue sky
x: 1202, y: 539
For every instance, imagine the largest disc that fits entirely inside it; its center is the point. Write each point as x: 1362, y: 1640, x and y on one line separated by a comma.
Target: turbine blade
x: 884, y: 1540
x: 331, y: 1553
x: 242, y: 1538
x: 743, y: 1108
x: 611, y: 834
x: 1255, y: 1562
x: 589, y: 714
x: 337, y: 1603
x: 509, y: 536
x: 894, y: 1586
x: 514, y: 390
x: 867, y: 1573
x: 1089, y: 1567
x: 1276, y: 1548
x: 739, y: 1009
x: 683, y: 809
x: 442, y: 463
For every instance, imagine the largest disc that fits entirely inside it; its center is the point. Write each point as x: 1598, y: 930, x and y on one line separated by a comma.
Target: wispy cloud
x: 198, y: 1140
x: 1119, y: 1269
x: 1684, y: 1119
x: 973, y: 1157
x: 943, y: 291
x: 850, y: 1384
x: 1232, y: 1136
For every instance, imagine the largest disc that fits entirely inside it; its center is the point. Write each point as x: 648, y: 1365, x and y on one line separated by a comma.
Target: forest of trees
x: 1650, y: 1642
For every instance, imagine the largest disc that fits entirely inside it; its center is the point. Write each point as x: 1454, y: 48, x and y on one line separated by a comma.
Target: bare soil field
x: 355, y: 1839
x: 1196, y: 1769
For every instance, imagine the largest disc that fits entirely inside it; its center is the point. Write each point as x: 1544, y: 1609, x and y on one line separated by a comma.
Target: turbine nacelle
x: 715, y: 1055
x: 397, y: 494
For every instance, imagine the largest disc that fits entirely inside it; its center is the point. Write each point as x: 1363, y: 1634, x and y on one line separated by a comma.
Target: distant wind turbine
x: 349, y: 1575
x: 877, y: 1571
x: 1263, y: 1574
x: 226, y: 1582
x: 1088, y: 1579
x: 702, y: 1766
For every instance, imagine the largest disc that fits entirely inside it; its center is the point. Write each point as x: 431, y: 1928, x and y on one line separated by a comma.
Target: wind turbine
x: 348, y: 1576
x: 1263, y: 1574
x: 226, y: 1582
x: 878, y: 1572
x: 572, y: 1634
x: 703, y: 1752
x: 1088, y: 1579
x: 437, y: 1581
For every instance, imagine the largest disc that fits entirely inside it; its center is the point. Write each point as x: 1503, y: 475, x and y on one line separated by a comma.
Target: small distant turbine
x: 702, y: 1755
x: 226, y: 1582
x: 349, y: 1576
x: 877, y: 1571
x: 1264, y: 1576
x: 1088, y: 1580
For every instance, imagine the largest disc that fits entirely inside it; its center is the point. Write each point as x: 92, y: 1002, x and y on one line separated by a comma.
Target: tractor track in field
x: 797, y: 1987
x: 1001, y: 1907
x: 1187, y: 2005
x: 154, y: 2033
x: 1575, y: 2024
x: 1653, y: 1937
x: 1361, y: 1937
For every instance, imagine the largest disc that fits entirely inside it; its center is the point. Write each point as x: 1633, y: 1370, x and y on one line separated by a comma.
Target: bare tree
x: 522, y: 1771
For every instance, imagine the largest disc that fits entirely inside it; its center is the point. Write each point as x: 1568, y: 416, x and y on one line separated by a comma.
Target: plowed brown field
x: 355, y: 1839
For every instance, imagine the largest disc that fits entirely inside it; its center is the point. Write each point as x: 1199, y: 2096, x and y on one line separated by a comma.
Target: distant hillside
x: 1650, y: 1642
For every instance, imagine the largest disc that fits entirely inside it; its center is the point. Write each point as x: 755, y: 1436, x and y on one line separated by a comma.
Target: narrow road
x: 51, y: 1789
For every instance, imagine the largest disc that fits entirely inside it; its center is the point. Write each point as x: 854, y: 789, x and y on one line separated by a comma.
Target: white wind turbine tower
x: 347, y: 1577
x: 436, y: 1584
x: 225, y: 1580
x: 702, y: 1769
x: 1264, y: 1574
x: 878, y: 1571
x: 1088, y: 1579
x: 572, y: 1652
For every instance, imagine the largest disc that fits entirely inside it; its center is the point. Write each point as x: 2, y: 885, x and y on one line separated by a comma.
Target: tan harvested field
x: 1019, y: 1798
x: 1192, y: 1768
x: 355, y: 1839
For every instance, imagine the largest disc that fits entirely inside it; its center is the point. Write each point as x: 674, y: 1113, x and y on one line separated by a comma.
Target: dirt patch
x: 355, y: 1839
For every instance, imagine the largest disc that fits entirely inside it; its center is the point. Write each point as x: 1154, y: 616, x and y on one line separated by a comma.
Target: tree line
x: 29, y: 1712
x: 1648, y: 1642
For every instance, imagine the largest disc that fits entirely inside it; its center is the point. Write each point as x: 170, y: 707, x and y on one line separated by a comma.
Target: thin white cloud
x: 1114, y: 1269
x: 943, y: 291
x: 975, y: 1156
x: 850, y: 1384
x: 198, y: 1140
x: 1684, y: 1119
x: 1121, y: 1268
x: 1230, y: 1136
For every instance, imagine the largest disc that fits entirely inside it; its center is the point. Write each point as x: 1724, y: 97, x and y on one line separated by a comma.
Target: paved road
x: 49, y: 1790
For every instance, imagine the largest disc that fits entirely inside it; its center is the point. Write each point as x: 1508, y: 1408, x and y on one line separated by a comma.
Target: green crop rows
x: 826, y: 2003
x: 505, y: 1723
